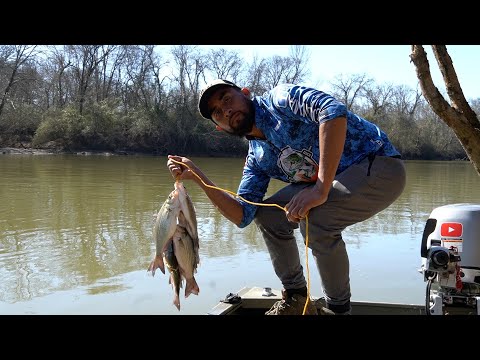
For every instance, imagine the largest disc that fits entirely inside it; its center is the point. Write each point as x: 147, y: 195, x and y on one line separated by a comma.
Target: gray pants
x: 354, y: 197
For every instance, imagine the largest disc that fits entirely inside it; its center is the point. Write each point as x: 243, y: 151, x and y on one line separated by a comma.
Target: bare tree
x: 139, y: 76
x: 406, y: 100
x: 190, y: 66
x: 85, y: 60
x: 225, y: 64
x: 300, y: 56
x: 379, y: 98
x: 14, y: 57
x: 108, y: 69
x: 290, y: 69
x: 55, y: 68
x: 275, y: 70
x: 157, y: 64
x: 255, y: 76
x: 348, y: 89
x: 459, y: 115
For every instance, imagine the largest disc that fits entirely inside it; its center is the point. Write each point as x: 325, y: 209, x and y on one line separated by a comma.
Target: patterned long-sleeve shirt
x: 289, y: 117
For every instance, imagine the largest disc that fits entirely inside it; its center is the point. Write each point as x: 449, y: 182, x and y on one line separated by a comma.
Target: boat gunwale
x: 252, y: 298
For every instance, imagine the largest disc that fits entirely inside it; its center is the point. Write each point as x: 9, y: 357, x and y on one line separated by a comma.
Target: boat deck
x: 255, y: 301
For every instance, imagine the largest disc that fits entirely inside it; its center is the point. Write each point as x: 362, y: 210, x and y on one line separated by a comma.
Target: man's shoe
x: 292, y: 305
x: 326, y: 309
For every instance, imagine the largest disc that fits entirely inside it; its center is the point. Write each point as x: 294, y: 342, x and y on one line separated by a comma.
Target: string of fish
x: 262, y: 204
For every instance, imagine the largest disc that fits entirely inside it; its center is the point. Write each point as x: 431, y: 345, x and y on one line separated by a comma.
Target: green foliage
x: 142, y: 131
x: 100, y: 127
x: 60, y: 128
x: 18, y: 124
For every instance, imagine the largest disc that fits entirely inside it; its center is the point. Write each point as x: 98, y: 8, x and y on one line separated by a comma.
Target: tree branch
x: 454, y: 90
x: 438, y: 104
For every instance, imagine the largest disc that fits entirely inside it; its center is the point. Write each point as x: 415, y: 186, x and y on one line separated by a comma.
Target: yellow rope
x: 261, y: 204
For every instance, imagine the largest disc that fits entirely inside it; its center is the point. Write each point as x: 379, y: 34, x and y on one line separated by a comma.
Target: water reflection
x: 85, y: 222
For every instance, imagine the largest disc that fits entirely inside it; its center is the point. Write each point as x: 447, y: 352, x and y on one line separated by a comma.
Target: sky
x: 384, y: 63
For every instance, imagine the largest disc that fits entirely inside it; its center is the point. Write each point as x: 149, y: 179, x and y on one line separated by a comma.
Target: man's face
x: 232, y: 111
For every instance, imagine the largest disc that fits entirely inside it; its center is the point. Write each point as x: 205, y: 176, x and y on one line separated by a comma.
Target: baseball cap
x: 207, y: 91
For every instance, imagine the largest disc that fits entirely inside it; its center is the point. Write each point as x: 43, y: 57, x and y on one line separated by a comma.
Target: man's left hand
x: 298, y: 208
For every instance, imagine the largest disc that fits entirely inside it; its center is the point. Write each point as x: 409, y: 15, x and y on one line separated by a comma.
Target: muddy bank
x: 11, y: 150
x: 54, y: 151
x: 30, y: 151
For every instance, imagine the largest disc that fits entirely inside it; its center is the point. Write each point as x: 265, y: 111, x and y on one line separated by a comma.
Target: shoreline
x: 32, y: 151
x: 53, y: 151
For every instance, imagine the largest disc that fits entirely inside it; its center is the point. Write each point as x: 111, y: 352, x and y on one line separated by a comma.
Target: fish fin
x: 157, y: 263
x: 191, y: 287
x: 176, y: 301
x: 151, y: 268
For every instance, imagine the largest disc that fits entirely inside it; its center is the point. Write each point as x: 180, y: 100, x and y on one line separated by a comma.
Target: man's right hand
x: 223, y: 201
x: 177, y: 170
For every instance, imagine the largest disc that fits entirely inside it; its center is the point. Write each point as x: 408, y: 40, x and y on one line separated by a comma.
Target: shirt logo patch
x: 298, y: 165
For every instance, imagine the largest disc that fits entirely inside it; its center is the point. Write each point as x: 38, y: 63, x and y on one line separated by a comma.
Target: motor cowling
x: 455, y: 226
x: 450, y: 252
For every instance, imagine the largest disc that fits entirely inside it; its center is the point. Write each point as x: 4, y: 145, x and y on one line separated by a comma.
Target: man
x: 341, y: 170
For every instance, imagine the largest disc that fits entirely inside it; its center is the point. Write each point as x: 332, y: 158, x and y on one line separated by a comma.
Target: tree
x: 225, y: 64
x: 13, y: 57
x: 291, y: 69
x: 459, y: 116
x: 348, y: 88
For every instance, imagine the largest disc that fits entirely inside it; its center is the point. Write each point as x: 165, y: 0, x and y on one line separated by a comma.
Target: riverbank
x: 55, y: 151
x: 31, y: 151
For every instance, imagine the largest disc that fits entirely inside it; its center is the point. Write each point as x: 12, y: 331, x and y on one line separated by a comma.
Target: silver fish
x: 187, y: 255
x: 177, y: 245
x: 164, y: 228
x: 175, y: 279
x: 190, y: 220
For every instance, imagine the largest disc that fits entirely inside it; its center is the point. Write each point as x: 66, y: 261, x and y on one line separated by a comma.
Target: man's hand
x: 177, y: 170
x: 303, y: 201
x: 331, y: 140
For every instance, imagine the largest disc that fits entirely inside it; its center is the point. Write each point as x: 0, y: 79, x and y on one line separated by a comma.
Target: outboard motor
x: 450, y: 254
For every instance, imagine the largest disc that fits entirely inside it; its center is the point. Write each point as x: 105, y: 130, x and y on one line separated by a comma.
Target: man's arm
x: 223, y: 201
x: 331, y: 141
x: 332, y: 134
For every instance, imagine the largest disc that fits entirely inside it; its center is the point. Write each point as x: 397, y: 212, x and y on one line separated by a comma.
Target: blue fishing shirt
x: 289, y: 117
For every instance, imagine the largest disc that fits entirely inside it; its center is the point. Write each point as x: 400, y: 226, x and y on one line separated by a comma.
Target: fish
x: 184, y: 248
x: 175, y: 279
x: 189, y: 221
x: 176, y: 240
x: 164, y: 228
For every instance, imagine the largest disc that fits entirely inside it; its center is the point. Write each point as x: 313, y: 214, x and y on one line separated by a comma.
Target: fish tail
x: 173, y: 280
x: 157, y: 263
x: 176, y: 301
x: 191, y: 287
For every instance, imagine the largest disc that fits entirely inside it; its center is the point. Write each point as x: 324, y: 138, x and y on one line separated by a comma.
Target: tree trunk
x: 459, y: 116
